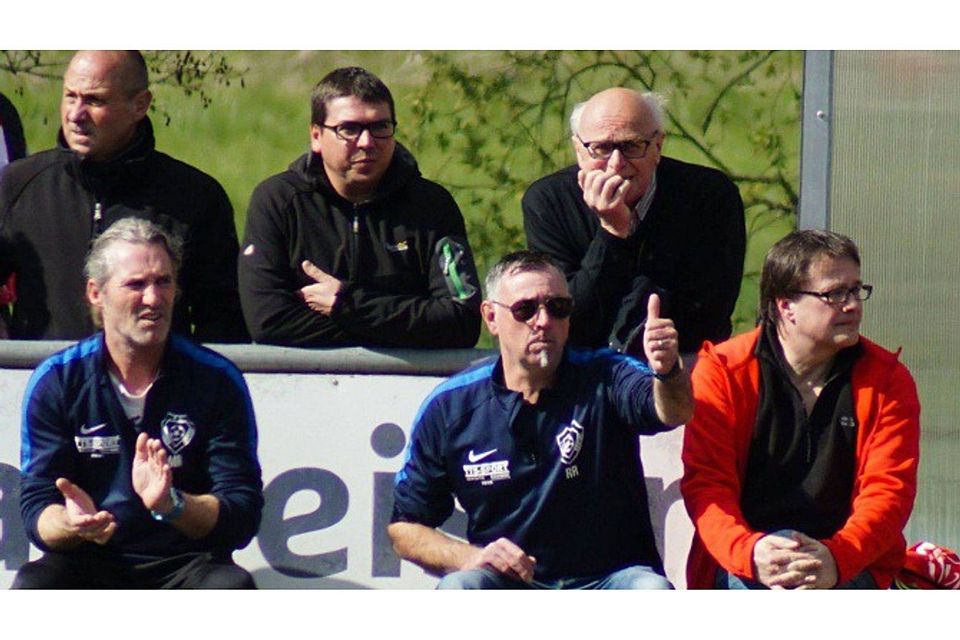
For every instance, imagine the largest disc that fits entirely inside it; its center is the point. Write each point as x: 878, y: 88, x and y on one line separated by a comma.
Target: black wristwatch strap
x: 669, y: 375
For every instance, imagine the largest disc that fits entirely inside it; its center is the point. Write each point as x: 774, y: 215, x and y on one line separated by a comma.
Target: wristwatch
x: 175, y: 512
x: 669, y: 375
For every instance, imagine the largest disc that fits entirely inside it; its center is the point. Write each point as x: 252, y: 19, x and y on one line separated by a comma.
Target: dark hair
x: 348, y: 81
x: 518, y: 262
x: 788, y: 263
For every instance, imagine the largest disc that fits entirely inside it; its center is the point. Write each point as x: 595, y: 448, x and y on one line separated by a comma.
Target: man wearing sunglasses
x: 351, y: 246
x: 540, y: 447
x: 626, y: 221
x: 800, y: 465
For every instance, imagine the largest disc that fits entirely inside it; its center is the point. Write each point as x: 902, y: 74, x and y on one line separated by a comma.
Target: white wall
x: 327, y: 443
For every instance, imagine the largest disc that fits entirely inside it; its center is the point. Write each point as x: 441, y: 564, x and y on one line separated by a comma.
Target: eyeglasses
x: 351, y: 131
x: 523, y: 310
x: 635, y: 149
x: 838, y: 297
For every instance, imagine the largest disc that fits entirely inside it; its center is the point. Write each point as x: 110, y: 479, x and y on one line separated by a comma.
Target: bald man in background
x: 626, y: 222
x: 54, y: 204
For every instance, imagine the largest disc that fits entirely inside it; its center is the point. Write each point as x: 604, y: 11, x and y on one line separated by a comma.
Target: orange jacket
x: 716, y: 444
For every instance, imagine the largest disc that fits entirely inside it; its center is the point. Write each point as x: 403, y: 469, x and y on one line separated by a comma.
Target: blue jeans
x: 724, y: 580
x: 635, y: 577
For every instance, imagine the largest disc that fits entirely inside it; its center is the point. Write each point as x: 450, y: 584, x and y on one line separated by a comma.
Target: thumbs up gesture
x: 660, y: 342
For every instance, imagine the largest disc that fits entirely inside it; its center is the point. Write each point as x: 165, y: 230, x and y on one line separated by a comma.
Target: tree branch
x: 732, y: 83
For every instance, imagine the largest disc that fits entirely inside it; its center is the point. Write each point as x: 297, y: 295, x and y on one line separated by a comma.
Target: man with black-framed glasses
x: 626, y: 221
x: 800, y: 464
x: 540, y: 447
x: 351, y: 246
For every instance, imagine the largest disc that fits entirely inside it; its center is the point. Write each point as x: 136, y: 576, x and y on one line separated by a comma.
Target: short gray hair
x: 133, y: 231
x: 654, y: 101
x: 518, y: 262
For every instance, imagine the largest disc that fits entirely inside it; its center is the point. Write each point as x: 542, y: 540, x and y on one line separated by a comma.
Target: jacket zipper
x: 97, y: 219
x: 355, y: 243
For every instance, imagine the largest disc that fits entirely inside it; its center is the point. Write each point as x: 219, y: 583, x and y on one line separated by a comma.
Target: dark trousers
x: 724, y: 580
x: 89, y: 571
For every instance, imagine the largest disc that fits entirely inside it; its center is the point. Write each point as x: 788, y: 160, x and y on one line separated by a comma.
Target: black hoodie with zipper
x: 407, y: 272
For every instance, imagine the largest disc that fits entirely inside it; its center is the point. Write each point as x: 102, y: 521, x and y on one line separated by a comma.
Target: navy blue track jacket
x: 562, y: 479
x: 74, y: 426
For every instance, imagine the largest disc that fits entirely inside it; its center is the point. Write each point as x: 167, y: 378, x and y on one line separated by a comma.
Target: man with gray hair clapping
x: 139, y: 447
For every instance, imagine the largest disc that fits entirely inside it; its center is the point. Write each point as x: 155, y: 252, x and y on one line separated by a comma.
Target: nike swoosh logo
x: 85, y: 431
x: 479, y: 456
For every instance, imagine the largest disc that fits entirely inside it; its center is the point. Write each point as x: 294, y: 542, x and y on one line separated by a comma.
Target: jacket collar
x: 167, y: 361
x: 770, y: 350
x: 116, y: 168
x: 403, y: 168
x: 563, y: 380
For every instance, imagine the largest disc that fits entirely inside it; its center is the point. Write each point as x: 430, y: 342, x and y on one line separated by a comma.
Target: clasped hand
x: 604, y: 191
x: 794, y: 562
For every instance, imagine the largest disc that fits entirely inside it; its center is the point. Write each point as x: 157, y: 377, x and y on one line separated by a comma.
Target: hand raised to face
x: 604, y: 191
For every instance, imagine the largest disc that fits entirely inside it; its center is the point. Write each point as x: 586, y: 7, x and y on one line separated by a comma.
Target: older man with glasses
x: 351, y: 246
x: 540, y: 447
x: 800, y: 464
x: 625, y: 222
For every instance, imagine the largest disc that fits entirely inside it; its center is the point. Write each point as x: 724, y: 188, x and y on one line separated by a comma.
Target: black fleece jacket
x: 53, y: 205
x: 407, y: 272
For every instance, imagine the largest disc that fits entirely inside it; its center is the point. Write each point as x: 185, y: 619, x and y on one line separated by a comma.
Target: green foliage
x: 37, y: 64
x: 191, y: 72
x: 485, y: 124
x: 493, y: 122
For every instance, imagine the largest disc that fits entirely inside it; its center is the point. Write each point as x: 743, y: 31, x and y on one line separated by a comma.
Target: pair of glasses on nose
x: 629, y: 149
x: 838, y: 297
x: 522, y: 310
x: 381, y: 129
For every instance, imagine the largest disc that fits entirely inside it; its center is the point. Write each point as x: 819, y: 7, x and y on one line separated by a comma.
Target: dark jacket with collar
x: 74, y: 427
x: 689, y: 249
x: 562, y: 479
x: 407, y: 272
x: 53, y: 205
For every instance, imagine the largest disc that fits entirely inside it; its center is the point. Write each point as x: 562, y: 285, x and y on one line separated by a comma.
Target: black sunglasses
x: 523, y: 310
